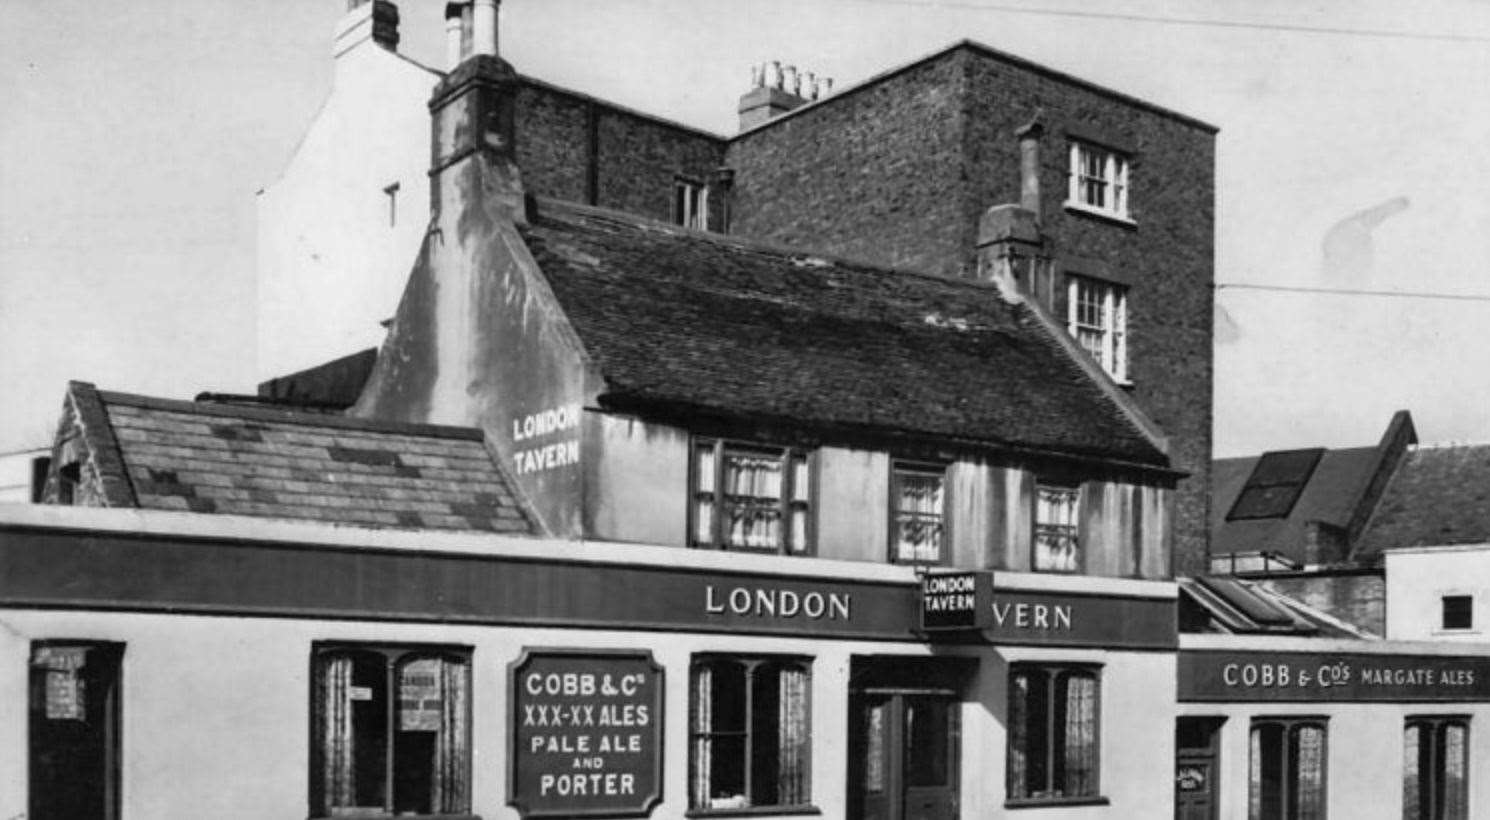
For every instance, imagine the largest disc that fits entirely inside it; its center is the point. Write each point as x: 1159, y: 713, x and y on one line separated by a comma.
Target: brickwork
x: 582, y: 150
x: 1358, y: 599
x: 899, y: 172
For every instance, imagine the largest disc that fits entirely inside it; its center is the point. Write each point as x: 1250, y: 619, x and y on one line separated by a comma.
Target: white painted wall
x: 216, y: 711
x: 15, y: 472
x: 330, y: 265
x: 1419, y: 578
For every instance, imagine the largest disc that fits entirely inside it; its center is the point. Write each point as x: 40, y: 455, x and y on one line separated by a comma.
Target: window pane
x: 753, y: 483
x: 1455, y: 763
x: 1056, y: 547
x: 1414, y: 764
x: 1307, y: 748
x: 794, y: 718
x: 918, y: 517
x: 353, y: 730
x: 874, y: 748
x: 1029, y: 742
x: 1265, y: 781
x: 927, y: 750
x: 1077, y: 725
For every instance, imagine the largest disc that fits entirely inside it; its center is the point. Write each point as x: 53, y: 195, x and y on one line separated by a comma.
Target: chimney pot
x: 1029, y: 165
x: 484, y: 27
x: 375, y: 20
x: 455, y: 33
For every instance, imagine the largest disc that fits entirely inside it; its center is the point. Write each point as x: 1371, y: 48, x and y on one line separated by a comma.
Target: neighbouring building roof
x: 271, y: 462
x: 1439, y: 495
x: 1232, y: 606
x: 706, y: 322
x: 1310, y: 506
x: 1328, y: 496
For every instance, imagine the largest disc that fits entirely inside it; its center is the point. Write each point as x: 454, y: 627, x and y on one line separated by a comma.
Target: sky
x: 1352, y: 158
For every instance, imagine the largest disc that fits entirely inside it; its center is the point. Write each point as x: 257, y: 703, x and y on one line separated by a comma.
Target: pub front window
x: 1054, y: 733
x: 391, y: 730
x: 749, y: 722
x: 1286, y: 779
x: 1435, y: 772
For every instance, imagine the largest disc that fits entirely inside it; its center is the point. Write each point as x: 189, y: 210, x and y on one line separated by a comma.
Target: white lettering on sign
x: 545, y: 422
x: 779, y: 603
x: 587, y: 784
x: 1033, y: 616
x: 548, y: 457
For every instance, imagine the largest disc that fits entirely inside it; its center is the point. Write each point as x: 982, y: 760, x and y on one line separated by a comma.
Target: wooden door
x: 1195, y: 788
x: 905, y: 765
x: 74, y: 731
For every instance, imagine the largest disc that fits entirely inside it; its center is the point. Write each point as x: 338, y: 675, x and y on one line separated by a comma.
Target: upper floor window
x: 1097, y: 317
x: 917, y: 529
x: 1057, y: 547
x: 1435, y: 768
x: 749, y: 497
x: 391, y: 730
x: 1099, y: 180
x: 1458, y: 612
x: 691, y: 204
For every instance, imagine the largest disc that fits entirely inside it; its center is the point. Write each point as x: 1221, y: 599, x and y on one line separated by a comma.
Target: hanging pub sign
x: 1314, y: 677
x: 956, y: 601
x: 586, y: 731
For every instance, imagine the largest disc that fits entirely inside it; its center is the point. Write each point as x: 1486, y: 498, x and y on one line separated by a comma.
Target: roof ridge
x: 286, y: 416
x: 765, y: 246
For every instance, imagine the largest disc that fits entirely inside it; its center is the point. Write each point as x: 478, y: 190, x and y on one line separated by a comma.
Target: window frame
x: 1290, y: 723
x: 752, y: 662
x: 1436, y: 724
x: 1115, y: 180
x: 395, y: 655
x: 1112, y: 327
x: 787, y: 502
x: 1052, y: 672
x: 898, y: 468
x: 691, y: 203
x: 1040, y: 528
x: 1443, y: 612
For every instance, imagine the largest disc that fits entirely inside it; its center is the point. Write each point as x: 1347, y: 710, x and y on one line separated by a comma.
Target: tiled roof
x: 1438, y: 496
x: 276, y: 463
x: 1329, y: 497
x: 707, y: 322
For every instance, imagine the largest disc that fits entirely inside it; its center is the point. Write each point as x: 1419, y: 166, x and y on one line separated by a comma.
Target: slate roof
x: 260, y: 461
x: 1438, y: 496
x: 708, y: 322
x: 1330, y: 496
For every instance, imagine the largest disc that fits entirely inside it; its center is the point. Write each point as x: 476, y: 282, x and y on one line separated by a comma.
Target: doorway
x: 904, y: 746
x: 74, y: 731
x: 1196, y: 753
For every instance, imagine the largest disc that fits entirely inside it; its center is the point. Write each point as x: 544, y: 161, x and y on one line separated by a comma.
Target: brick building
x: 1114, y: 216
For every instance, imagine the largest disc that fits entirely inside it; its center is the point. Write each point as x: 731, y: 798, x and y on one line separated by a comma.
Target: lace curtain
x: 795, y: 731
x: 1081, y: 735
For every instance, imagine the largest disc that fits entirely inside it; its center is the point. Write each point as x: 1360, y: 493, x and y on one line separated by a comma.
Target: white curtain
x: 337, y: 738
x: 794, y: 721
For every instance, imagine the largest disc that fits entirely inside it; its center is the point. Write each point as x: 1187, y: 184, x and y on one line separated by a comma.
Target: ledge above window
x: 756, y: 811
x: 1055, y: 802
x: 1100, y: 213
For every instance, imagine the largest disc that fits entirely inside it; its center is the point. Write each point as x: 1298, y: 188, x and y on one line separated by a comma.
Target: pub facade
x: 275, y: 668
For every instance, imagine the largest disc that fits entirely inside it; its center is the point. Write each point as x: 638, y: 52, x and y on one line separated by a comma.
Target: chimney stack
x: 375, y: 20
x: 470, y: 29
x: 1029, y: 165
x: 776, y: 89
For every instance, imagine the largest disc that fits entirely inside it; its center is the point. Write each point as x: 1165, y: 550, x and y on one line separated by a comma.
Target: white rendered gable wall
x: 331, y: 268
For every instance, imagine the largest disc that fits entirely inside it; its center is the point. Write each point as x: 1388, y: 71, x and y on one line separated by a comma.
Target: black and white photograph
x: 862, y: 409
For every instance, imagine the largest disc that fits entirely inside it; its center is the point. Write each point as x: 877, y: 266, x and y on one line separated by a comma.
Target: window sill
x: 756, y: 811
x: 383, y: 815
x: 1055, y: 802
x: 1110, y: 216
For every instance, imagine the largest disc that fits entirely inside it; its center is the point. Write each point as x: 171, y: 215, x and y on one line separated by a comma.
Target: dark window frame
x: 898, y: 468
x: 1437, y: 788
x: 787, y: 502
x: 691, y: 203
x: 1447, y: 615
x: 697, y: 738
x: 395, y: 656
x: 1017, y: 794
x: 1287, y: 789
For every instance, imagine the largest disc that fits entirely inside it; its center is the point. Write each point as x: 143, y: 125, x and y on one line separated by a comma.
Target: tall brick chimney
x: 375, y: 20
